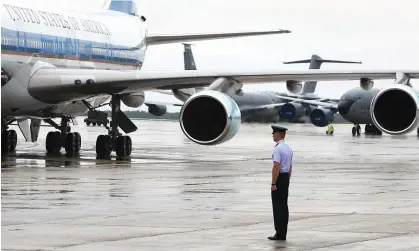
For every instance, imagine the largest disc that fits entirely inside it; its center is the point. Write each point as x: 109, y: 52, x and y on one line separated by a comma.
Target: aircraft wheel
x: 13, y: 140
x: 78, y: 141
x: 53, y: 142
x: 5, y: 143
x: 72, y: 143
x: 87, y: 123
x: 353, y: 131
x: 103, y: 146
x: 128, y: 145
x: 8, y: 141
x: 121, y: 146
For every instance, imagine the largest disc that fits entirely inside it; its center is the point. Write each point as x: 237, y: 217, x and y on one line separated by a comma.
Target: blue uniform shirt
x: 283, y: 154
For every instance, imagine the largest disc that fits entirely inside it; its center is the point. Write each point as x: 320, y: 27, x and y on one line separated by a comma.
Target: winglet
x: 169, y: 39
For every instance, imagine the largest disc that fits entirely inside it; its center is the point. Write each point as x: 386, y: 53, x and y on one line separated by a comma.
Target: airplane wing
x: 331, y: 105
x: 158, y: 39
x: 261, y: 107
x: 63, y: 84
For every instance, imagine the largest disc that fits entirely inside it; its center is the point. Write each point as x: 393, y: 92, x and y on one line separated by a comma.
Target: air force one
x: 59, y: 64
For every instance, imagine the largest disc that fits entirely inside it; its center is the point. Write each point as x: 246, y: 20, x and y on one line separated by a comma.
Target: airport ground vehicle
x: 96, y: 118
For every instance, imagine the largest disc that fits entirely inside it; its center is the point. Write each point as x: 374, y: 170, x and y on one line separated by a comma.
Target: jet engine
x: 133, y: 100
x: 210, y: 117
x: 157, y: 110
x: 294, y: 87
x: 395, y: 110
x: 321, y: 116
x: 292, y: 111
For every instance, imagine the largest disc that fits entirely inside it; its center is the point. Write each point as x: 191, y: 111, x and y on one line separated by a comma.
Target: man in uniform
x: 281, y: 173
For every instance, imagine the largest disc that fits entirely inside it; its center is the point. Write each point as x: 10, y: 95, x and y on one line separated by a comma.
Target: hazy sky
x: 383, y: 34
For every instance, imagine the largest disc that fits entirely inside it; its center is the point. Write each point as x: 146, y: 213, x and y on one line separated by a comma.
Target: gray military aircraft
x: 271, y: 106
x: 354, y: 105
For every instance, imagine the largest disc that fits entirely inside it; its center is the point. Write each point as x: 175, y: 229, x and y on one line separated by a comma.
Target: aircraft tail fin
x: 130, y: 7
x: 315, y: 63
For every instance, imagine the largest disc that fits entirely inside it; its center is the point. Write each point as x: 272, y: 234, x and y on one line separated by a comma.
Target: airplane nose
x: 344, y: 106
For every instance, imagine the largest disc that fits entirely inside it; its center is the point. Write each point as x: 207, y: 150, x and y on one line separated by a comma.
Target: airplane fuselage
x: 247, y: 101
x: 63, y: 39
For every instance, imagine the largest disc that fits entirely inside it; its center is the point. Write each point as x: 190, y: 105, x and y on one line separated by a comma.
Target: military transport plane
x: 59, y: 64
x: 270, y: 106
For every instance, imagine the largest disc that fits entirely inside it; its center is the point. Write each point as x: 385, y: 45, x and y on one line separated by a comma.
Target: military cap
x: 276, y: 128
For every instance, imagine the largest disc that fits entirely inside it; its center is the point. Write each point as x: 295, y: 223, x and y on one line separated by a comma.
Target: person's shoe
x: 276, y: 237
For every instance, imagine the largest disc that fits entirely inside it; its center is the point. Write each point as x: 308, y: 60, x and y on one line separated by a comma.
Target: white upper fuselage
x: 100, y: 40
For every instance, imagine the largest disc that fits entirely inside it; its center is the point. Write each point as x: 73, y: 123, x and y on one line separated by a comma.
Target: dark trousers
x: 280, y: 204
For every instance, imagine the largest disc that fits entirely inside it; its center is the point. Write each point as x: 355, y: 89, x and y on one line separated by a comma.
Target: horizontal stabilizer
x: 322, y: 61
x: 168, y: 39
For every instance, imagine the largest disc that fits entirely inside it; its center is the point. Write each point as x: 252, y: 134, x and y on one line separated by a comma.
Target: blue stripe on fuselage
x: 27, y: 43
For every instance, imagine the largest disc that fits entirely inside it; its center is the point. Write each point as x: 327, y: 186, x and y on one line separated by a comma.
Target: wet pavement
x: 346, y: 193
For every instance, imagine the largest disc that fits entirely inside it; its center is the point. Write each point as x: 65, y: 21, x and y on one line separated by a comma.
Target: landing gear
x: 356, y: 130
x: 372, y: 130
x: 115, y: 141
x: 8, y: 137
x: 71, y: 141
x: 8, y: 141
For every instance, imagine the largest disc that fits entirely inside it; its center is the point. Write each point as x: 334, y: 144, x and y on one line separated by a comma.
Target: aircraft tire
x: 354, y: 131
x: 13, y: 140
x: 103, y: 146
x: 8, y: 141
x: 121, y: 146
x: 53, y: 142
x: 129, y: 145
x: 78, y: 141
x: 70, y: 143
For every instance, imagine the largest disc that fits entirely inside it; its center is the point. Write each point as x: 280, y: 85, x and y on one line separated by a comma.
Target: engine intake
x: 292, y: 111
x: 210, y: 117
x: 321, y: 117
x: 395, y: 110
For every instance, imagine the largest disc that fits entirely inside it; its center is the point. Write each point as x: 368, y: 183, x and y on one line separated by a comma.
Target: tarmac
x: 346, y: 193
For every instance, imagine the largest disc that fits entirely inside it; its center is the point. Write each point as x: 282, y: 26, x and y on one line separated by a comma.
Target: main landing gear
x: 372, y: 130
x: 8, y: 138
x: 115, y: 141
x: 71, y: 141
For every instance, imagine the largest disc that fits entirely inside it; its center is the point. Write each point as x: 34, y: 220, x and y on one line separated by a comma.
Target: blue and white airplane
x: 59, y: 64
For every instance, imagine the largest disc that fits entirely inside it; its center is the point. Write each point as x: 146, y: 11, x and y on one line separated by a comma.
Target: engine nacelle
x: 157, y: 110
x: 294, y: 87
x: 133, y: 100
x: 366, y: 83
x: 292, y: 111
x: 210, y: 117
x: 321, y: 116
x: 395, y: 110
